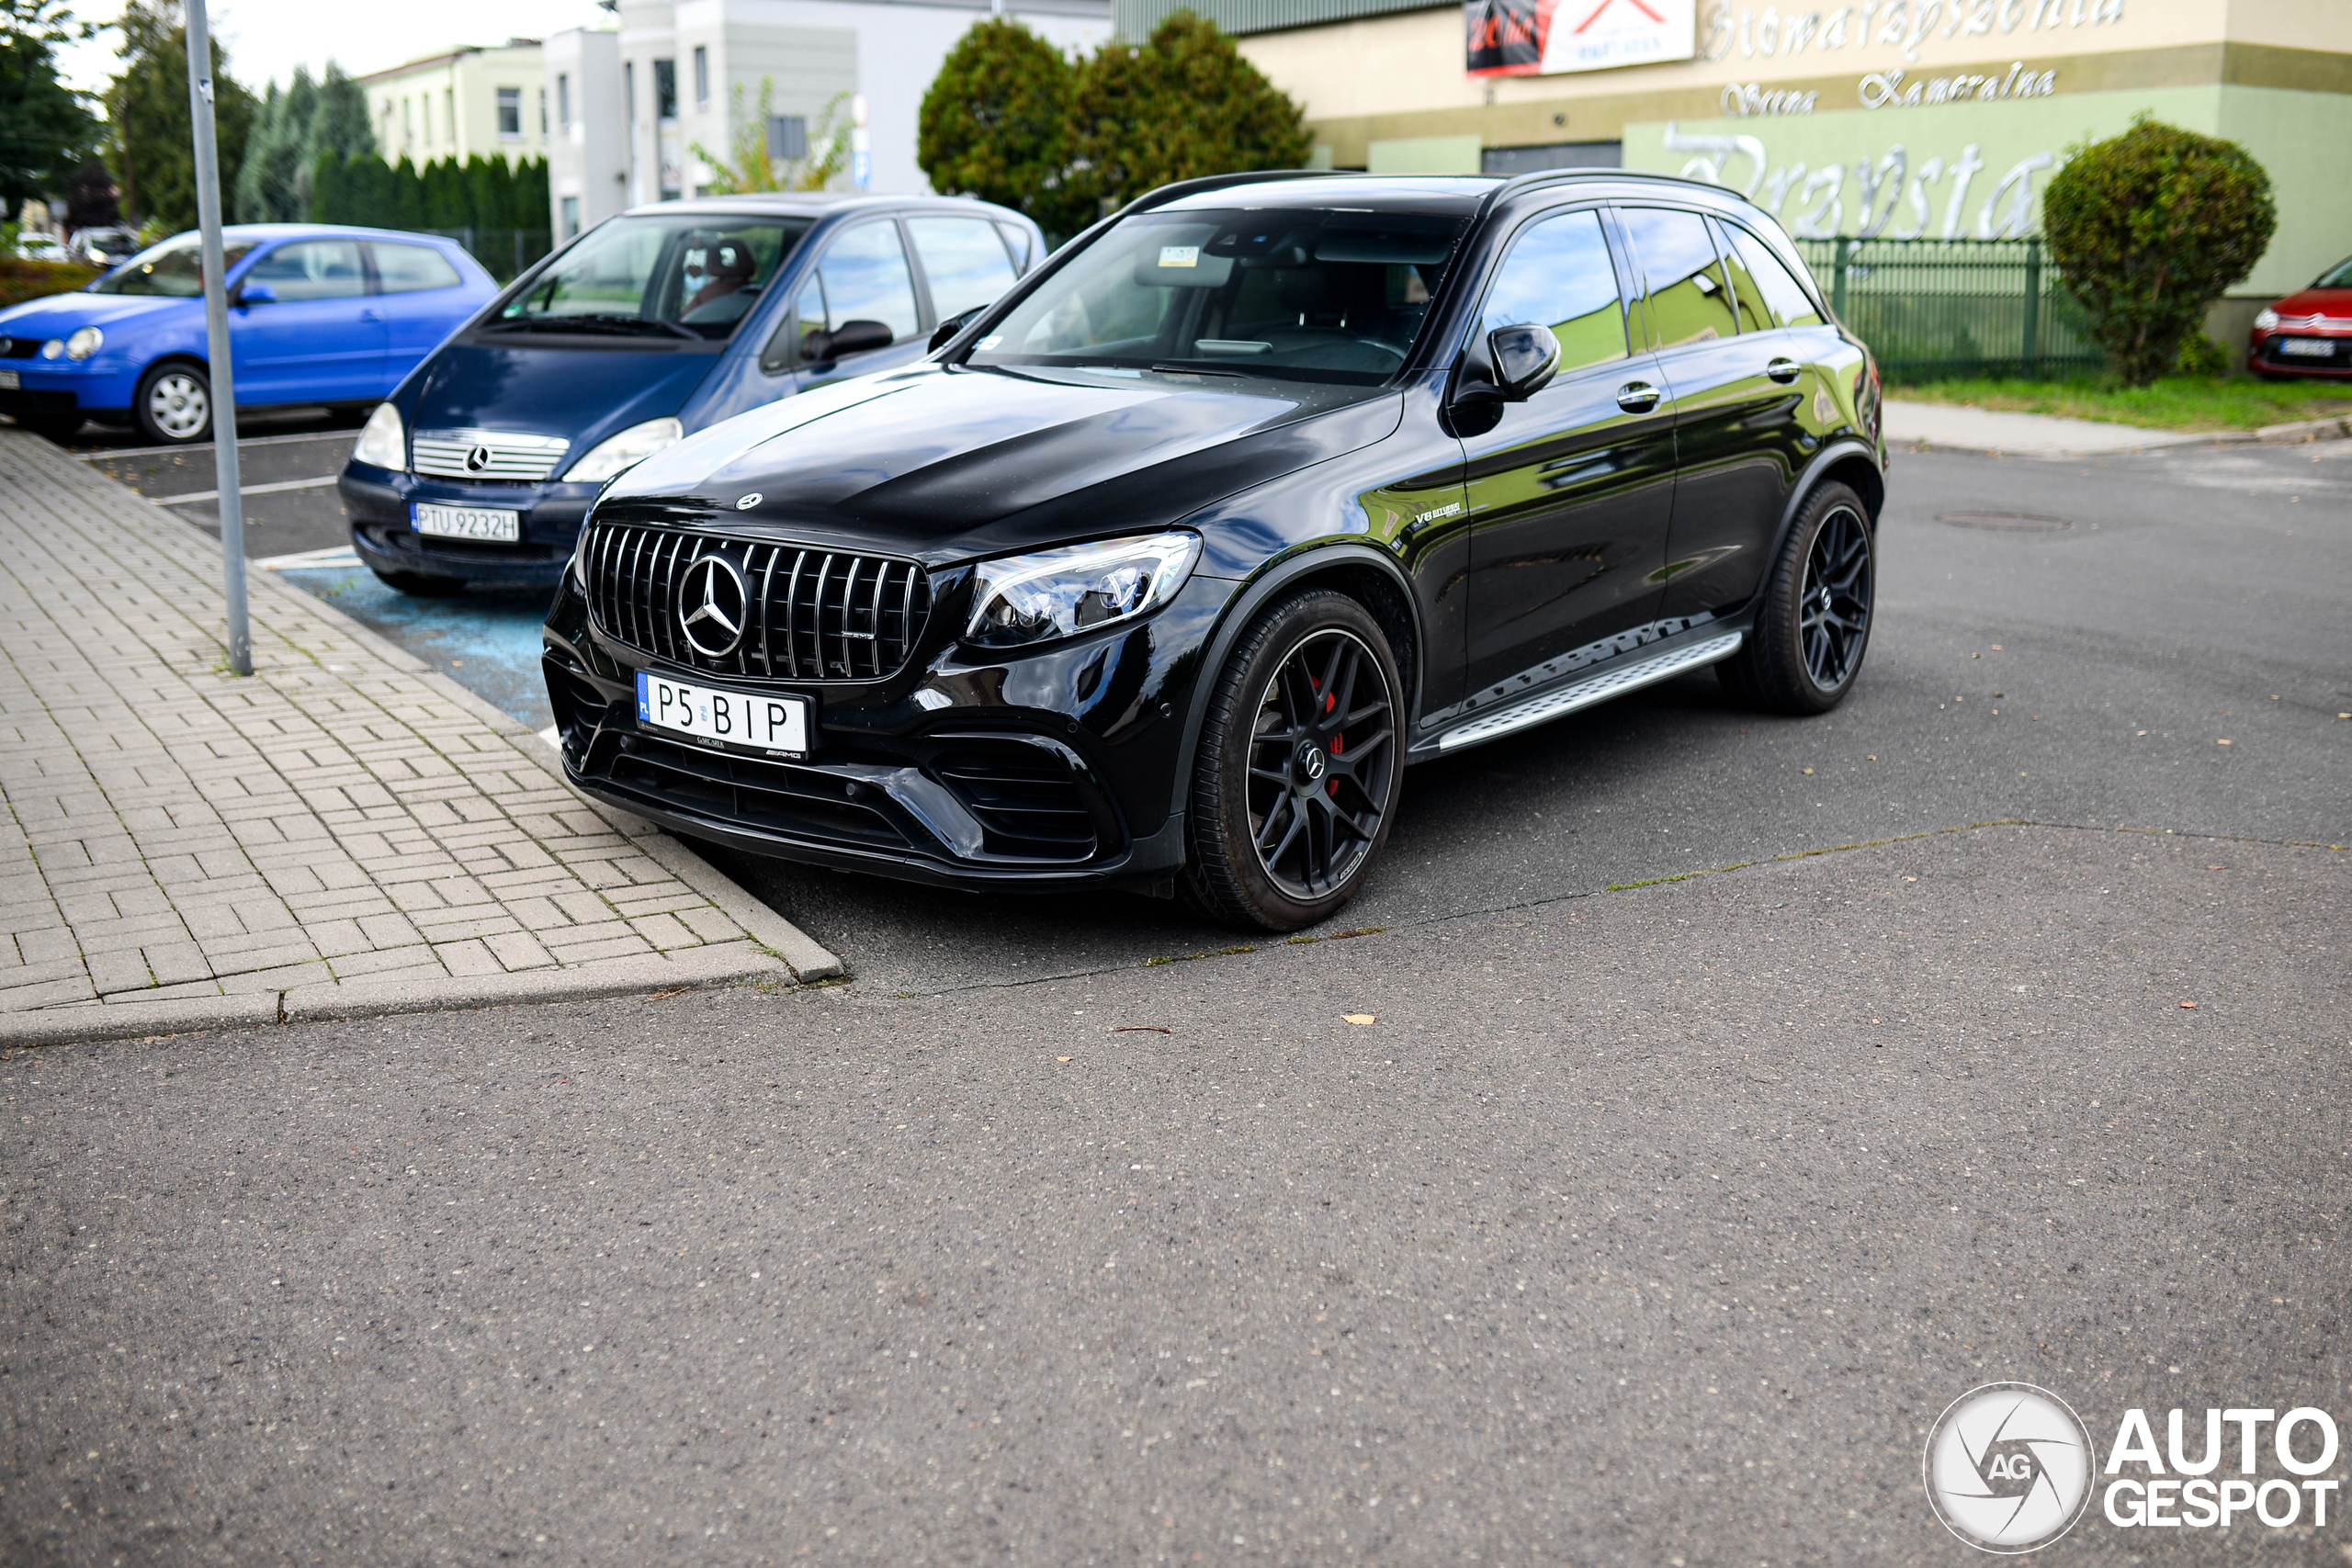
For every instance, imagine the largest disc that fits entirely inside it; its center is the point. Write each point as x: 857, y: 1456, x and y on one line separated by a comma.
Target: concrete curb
x: 693, y: 967
x: 2159, y: 441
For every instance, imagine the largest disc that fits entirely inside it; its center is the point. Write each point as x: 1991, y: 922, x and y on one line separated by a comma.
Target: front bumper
x: 96, y: 389
x: 377, y: 501
x: 1049, y: 771
x: 2262, y: 353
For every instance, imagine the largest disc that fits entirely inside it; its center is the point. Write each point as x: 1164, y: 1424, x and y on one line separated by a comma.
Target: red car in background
x: 2307, y: 333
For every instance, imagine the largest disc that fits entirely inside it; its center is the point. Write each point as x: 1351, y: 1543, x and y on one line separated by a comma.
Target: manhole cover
x: 2005, y: 522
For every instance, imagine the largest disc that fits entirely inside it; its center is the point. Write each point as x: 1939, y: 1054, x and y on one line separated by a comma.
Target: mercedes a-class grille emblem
x: 478, y: 459
x: 711, y: 607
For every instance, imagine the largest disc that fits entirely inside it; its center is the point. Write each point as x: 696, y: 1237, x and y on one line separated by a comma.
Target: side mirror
x: 944, y: 333
x: 850, y: 337
x: 256, y: 294
x: 1525, y: 358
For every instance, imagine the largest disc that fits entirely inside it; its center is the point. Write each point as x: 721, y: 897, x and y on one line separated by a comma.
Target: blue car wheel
x: 173, y: 404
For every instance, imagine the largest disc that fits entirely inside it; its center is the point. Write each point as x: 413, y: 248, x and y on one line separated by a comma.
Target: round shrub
x: 2149, y: 228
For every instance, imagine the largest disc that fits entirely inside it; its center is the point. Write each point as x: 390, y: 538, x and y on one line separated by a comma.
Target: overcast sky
x: 267, y: 38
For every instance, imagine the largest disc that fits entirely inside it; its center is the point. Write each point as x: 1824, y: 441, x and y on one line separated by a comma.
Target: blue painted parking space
x: 486, y: 639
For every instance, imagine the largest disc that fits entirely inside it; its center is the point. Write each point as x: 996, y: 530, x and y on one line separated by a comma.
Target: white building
x: 670, y: 75
x: 490, y: 101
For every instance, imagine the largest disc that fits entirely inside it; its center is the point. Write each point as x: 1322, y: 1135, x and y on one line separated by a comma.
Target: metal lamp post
x: 216, y: 333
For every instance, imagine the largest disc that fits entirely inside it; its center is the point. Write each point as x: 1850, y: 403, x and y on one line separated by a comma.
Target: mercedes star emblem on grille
x: 478, y: 459
x: 749, y: 501
x: 714, y: 590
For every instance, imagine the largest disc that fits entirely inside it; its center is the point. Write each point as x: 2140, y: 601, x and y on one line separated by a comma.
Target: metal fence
x: 503, y: 252
x: 1931, y: 308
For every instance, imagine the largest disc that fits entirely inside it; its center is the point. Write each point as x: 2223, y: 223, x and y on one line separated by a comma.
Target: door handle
x: 1782, y: 370
x: 1637, y: 397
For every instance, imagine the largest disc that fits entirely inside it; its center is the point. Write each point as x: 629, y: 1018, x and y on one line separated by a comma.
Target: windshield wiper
x: 1198, y: 371
x: 596, y: 322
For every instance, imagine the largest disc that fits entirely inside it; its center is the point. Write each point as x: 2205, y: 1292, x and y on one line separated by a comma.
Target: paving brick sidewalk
x: 345, y: 830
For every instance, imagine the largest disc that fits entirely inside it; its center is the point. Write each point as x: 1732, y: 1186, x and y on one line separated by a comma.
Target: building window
x: 424, y: 116
x: 665, y: 89
x: 449, y: 114
x: 563, y: 102
x: 788, y: 137
x: 510, y: 111
x: 702, y: 77
x: 570, y: 216
x: 543, y: 114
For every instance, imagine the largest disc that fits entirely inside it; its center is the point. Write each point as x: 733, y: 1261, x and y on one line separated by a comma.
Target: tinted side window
x: 1558, y: 275
x: 1016, y: 240
x: 963, y: 261
x: 1748, y: 301
x: 1785, y: 298
x: 412, y: 269
x: 1689, y: 300
x: 313, y: 269
x: 866, y: 278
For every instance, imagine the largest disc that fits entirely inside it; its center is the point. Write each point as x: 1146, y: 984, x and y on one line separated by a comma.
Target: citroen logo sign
x: 478, y: 459
x: 711, y: 607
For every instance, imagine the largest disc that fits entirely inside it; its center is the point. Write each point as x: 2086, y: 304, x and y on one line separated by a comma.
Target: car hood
x: 60, y: 314
x: 2335, y: 302
x: 584, y: 395
x: 946, y: 462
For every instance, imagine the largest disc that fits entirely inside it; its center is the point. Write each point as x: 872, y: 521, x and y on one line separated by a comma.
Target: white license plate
x: 2308, y: 347
x: 777, y: 723
x: 10, y: 380
x: 466, y: 522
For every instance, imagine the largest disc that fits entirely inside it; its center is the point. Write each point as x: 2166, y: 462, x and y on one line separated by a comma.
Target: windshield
x: 2337, y: 277
x: 174, y: 269
x: 656, y: 276
x: 1300, y: 294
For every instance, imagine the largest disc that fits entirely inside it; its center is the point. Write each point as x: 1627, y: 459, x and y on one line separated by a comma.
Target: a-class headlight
x: 383, y: 441
x: 2266, y: 319
x: 83, y: 343
x: 1058, y: 593
x: 625, y: 450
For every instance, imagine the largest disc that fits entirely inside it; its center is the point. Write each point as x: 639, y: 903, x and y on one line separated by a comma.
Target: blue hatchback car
x: 318, y: 315
x: 647, y: 328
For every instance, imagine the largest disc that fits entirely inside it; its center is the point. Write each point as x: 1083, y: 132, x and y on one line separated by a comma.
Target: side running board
x: 1548, y: 706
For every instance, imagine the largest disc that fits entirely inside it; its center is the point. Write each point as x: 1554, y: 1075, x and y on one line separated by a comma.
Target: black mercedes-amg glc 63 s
x: 1159, y: 570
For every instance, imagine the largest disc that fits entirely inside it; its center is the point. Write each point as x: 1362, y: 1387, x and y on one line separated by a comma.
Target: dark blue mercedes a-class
x: 647, y: 328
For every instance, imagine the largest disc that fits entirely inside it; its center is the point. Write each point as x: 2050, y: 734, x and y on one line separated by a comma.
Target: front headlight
x: 580, y: 559
x: 2266, y: 319
x: 628, y: 449
x: 383, y: 441
x: 1080, y: 588
x: 83, y: 343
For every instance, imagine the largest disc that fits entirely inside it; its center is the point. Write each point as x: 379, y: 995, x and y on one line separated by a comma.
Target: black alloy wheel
x: 1299, y: 765
x: 1815, y: 623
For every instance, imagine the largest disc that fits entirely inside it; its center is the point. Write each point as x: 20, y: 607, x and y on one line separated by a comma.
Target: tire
x: 1814, y: 626
x: 421, y: 584
x: 173, y: 404
x: 1299, y: 767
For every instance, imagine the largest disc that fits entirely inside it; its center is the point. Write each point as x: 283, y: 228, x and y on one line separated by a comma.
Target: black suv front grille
x: 809, y: 614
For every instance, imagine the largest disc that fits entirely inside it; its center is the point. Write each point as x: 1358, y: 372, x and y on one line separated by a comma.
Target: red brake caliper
x: 1339, y: 742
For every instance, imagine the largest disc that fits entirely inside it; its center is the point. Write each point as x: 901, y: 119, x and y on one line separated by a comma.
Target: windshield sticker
x: 1179, y: 255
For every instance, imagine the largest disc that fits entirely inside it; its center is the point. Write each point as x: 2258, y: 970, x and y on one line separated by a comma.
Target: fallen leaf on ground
x: 1061, y: 1058
x: 1361, y: 1017
x: 663, y: 995
x: 1131, y: 1028
x: 2220, y: 743
x: 2189, y: 1004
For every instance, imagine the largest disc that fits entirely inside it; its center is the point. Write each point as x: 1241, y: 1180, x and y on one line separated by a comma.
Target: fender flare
x: 1243, y: 608
x: 1829, y: 456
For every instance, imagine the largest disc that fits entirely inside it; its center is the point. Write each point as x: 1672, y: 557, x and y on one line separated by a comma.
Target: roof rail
x: 1168, y: 193
x: 1540, y: 177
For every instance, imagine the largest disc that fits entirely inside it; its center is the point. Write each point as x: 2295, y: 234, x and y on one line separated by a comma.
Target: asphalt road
x: 1650, y: 1227
x: 2086, y: 675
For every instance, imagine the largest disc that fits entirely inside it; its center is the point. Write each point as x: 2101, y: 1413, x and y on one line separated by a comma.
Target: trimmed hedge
x: 22, y: 279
